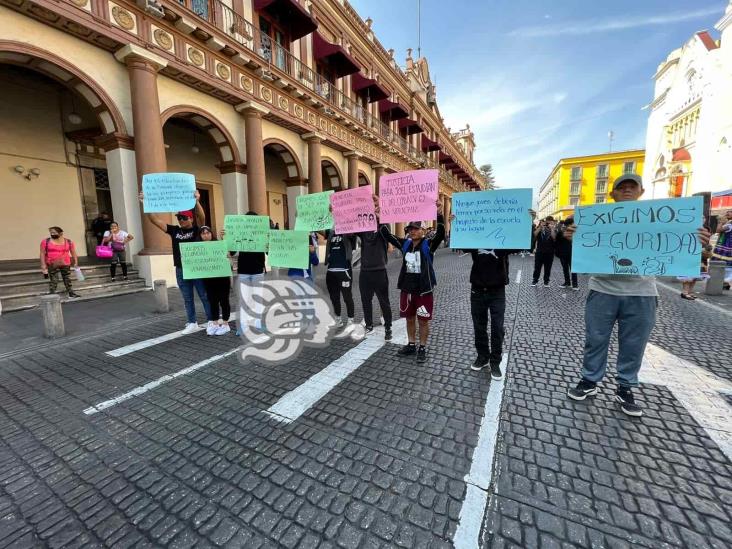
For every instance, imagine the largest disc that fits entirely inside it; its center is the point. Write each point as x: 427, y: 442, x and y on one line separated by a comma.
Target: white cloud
x: 579, y: 28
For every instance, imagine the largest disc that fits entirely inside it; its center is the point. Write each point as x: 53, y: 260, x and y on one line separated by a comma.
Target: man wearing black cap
x: 186, y: 231
x: 628, y: 300
x: 417, y: 280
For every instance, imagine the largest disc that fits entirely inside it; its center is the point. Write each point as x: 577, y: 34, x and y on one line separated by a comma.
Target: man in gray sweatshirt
x: 374, y: 279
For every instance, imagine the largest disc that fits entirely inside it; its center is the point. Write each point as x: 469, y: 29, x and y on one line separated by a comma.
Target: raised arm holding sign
x: 313, y: 212
x: 168, y: 192
x: 406, y: 196
x: 491, y: 219
x: 353, y: 210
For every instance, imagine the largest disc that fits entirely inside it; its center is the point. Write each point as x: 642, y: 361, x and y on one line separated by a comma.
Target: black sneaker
x: 546, y: 284
x: 73, y: 295
x: 496, y: 373
x: 534, y: 283
x: 479, y: 363
x: 408, y: 349
x: 583, y: 390
x: 627, y: 403
x: 124, y: 278
x: 387, y: 334
x: 422, y: 354
x: 113, y: 279
x: 565, y: 285
x: 368, y: 329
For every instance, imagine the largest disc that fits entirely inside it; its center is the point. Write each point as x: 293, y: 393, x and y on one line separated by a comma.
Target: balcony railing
x: 279, y: 59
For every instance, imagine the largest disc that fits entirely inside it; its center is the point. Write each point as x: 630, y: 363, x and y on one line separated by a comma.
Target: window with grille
x: 600, y: 199
x: 576, y: 173
x: 574, y: 201
x: 101, y: 179
x: 602, y: 171
x: 628, y: 167
x: 574, y: 188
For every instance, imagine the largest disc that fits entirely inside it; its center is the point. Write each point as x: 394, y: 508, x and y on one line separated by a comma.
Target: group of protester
x: 627, y: 300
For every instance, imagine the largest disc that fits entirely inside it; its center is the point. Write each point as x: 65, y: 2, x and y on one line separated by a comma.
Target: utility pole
x: 419, y: 29
x: 611, y: 138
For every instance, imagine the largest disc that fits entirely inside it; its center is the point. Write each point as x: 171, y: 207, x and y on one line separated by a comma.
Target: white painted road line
x: 481, y: 468
x: 127, y: 349
x: 699, y: 390
x: 298, y: 401
x: 153, y: 384
x: 518, y: 277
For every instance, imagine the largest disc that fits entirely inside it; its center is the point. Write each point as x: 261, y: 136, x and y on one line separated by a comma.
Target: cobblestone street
x: 385, y: 458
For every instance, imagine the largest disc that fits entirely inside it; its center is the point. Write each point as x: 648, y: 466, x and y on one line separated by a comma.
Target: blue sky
x: 538, y: 80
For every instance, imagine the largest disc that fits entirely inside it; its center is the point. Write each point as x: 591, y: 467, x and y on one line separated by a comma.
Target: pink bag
x: 104, y: 252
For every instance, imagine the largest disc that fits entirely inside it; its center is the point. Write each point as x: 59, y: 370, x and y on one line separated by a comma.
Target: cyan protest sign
x: 644, y: 237
x: 313, y: 212
x: 205, y: 259
x: 289, y: 249
x: 492, y: 220
x: 246, y: 233
x: 168, y: 192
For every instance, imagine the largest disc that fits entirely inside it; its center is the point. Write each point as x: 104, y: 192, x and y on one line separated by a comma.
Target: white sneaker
x: 211, y: 327
x: 350, y: 322
x: 340, y: 323
x: 222, y: 329
x: 191, y: 328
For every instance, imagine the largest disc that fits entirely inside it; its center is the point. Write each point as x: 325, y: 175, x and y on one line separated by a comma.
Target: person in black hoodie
x: 374, y: 279
x: 546, y: 235
x: 250, y: 266
x: 564, y: 252
x: 339, y: 276
x: 417, y: 280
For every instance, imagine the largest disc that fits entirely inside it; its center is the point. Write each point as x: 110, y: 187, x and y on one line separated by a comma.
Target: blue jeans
x: 186, y: 289
x: 249, y: 292
x: 635, y: 315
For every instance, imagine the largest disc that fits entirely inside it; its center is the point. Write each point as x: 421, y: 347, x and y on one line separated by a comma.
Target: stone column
x: 123, y: 187
x: 352, y: 177
x: 315, y: 170
x: 256, y: 180
x: 378, y: 172
x: 296, y: 186
x: 143, y: 67
x: 234, y: 186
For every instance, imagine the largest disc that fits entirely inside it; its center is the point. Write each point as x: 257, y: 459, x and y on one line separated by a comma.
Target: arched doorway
x: 53, y: 121
x: 332, y: 178
x: 284, y: 182
x: 197, y: 143
x: 363, y: 179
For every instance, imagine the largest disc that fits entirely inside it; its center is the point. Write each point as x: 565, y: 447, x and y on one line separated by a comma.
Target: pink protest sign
x: 353, y: 210
x: 408, y: 196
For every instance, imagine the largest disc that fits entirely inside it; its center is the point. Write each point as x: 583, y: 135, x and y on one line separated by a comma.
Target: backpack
x: 56, y: 263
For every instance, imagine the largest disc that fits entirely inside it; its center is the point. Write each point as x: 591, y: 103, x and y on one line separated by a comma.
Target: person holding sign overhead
x: 185, y: 231
x: 629, y: 300
x: 417, y: 280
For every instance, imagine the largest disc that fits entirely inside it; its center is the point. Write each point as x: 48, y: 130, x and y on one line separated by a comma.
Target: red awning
x: 369, y: 87
x: 681, y: 155
x: 295, y: 17
x: 429, y: 145
x: 333, y: 54
x: 394, y: 110
x: 410, y: 125
x: 445, y: 159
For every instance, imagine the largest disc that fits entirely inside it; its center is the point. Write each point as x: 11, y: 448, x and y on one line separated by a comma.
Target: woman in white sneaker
x: 217, y: 290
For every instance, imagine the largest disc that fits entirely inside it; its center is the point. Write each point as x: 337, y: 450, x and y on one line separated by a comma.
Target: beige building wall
x: 31, y: 136
x: 96, y: 63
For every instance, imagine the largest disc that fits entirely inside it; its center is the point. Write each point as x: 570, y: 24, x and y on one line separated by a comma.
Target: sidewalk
x: 24, y: 329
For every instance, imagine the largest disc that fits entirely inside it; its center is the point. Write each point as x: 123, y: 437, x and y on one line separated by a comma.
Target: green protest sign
x: 313, y: 212
x: 289, y: 249
x: 205, y: 259
x: 246, y: 233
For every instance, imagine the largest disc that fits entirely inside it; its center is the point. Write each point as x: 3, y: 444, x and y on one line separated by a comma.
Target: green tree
x: 487, y: 171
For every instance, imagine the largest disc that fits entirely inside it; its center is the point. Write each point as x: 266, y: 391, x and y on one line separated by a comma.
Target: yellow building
x: 584, y: 180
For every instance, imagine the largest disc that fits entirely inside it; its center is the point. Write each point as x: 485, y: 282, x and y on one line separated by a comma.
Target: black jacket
x: 428, y: 279
x: 545, y: 243
x: 349, y: 243
x: 490, y: 269
x: 563, y: 246
x: 374, y: 250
